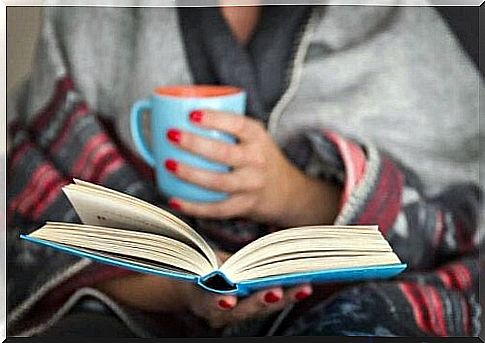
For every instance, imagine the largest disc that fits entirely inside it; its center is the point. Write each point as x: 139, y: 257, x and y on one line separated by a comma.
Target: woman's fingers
x: 241, y: 180
x: 270, y: 300
x: 259, y: 303
x: 225, y: 309
x: 235, y: 205
x: 298, y: 293
x: 224, y: 302
x: 244, y: 128
x: 215, y: 309
x: 211, y: 149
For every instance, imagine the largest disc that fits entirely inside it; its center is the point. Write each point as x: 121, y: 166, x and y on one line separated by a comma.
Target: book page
x: 310, y: 248
x: 314, y: 264
x: 100, y: 206
x: 132, y: 245
x: 264, y: 246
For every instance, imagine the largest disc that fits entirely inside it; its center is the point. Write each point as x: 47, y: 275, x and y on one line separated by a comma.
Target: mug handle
x: 136, y: 130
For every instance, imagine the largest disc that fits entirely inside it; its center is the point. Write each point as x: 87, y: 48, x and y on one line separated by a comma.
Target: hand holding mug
x: 262, y: 184
x: 169, y: 107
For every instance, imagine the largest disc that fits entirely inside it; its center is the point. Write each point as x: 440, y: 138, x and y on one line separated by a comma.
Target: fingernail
x: 271, y: 297
x: 224, y: 304
x: 302, y: 295
x: 174, y: 204
x: 171, y: 165
x: 196, y: 116
x: 174, y: 135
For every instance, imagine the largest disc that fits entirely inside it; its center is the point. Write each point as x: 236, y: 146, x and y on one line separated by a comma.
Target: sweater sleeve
x: 424, y: 230
x: 438, y: 236
x: 55, y: 136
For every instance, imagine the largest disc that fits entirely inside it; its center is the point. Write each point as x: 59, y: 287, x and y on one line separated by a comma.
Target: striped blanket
x: 438, y: 236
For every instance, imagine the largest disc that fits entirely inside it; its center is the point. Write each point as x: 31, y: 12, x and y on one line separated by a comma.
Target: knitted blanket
x: 438, y: 237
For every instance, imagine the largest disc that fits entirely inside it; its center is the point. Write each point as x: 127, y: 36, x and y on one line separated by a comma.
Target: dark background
x: 464, y: 21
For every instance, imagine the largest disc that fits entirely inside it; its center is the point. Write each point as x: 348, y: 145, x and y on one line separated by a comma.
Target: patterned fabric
x: 65, y: 141
x: 438, y: 237
x: 415, y: 305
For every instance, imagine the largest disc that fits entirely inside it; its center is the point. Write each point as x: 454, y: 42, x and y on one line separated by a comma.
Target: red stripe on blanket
x: 416, y: 303
x: 461, y: 275
x: 439, y: 229
x: 52, y: 191
x: 102, y: 160
x: 43, y: 195
x: 79, y: 111
x: 436, y: 311
x: 44, y: 175
x: 91, y: 145
x: 384, y: 204
x: 39, y: 193
x: 456, y: 276
x: 445, y: 278
x: 17, y: 152
x: 354, y: 162
x: 97, y: 160
x: 62, y: 87
x: 27, y: 195
x: 455, y: 282
x: 110, y: 168
x: 426, y: 306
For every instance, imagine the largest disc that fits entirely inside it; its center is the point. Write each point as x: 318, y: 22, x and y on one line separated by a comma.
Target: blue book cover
x: 217, y: 282
x: 123, y: 231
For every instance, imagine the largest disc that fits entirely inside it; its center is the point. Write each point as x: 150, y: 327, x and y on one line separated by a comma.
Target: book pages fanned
x: 127, y: 232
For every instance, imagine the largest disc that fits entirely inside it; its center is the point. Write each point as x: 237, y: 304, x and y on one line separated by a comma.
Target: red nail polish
x: 224, y: 304
x: 174, y: 204
x: 302, y: 295
x: 196, y: 116
x: 171, y: 165
x: 271, y: 297
x: 174, y: 135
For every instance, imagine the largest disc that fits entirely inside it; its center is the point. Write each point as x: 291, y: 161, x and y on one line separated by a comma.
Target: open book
x: 124, y: 231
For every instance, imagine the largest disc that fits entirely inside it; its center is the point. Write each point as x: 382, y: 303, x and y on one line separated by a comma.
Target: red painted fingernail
x: 174, y: 204
x: 302, y: 295
x: 224, y: 304
x: 174, y: 135
x: 271, y: 297
x: 171, y: 165
x: 196, y: 116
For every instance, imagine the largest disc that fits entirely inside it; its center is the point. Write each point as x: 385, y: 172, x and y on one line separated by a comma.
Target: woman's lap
x: 356, y: 311
x: 362, y: 310
x: 88, y: 324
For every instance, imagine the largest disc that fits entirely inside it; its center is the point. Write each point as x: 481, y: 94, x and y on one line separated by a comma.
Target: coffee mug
x: 170, y: 107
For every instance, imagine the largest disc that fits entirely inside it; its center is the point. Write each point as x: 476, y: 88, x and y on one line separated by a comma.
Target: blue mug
x: 169, y: 107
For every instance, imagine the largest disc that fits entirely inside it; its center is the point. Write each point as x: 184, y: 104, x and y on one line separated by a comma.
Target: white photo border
x: 141, y: 3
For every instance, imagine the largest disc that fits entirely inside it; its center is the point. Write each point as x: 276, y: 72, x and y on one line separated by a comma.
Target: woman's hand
x: 263, y: 185
x: 222, y: 310
x: 157, y: 294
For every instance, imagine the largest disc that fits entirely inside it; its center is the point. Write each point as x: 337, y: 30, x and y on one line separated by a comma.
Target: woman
x: 343, y: 102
